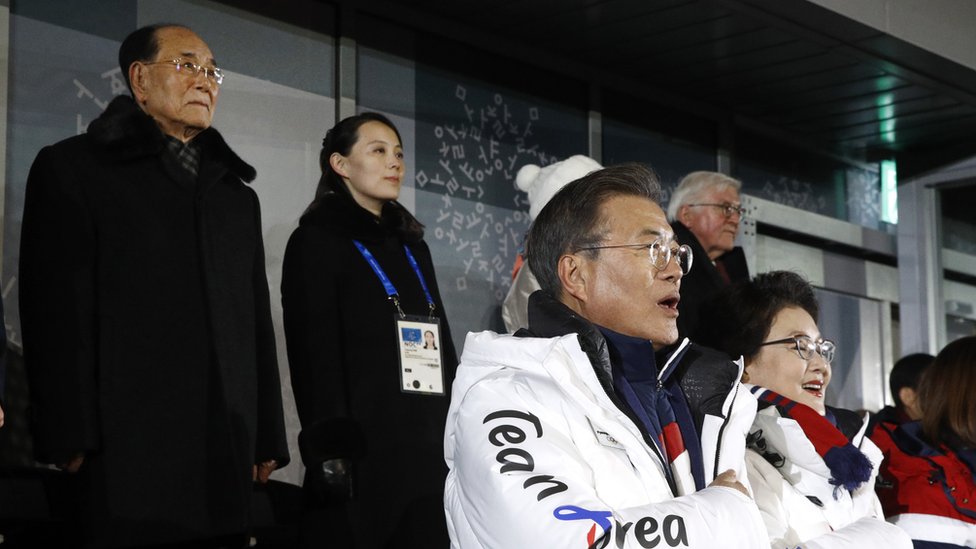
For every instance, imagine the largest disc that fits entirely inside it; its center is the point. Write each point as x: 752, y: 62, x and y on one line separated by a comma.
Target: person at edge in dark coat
x: 146, y: 313
x: 927, y: 483
x: 705, y: 212
x: 354, y: 357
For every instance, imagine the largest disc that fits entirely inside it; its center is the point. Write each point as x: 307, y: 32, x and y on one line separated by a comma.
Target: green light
x: 886, y: 117
x: 888, y: 131
x: 889, y: 191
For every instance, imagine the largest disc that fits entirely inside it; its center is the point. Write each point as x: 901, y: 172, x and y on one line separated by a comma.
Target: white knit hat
x: 542, y: 183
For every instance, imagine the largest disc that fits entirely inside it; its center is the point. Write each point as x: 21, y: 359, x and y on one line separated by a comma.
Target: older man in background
x: 146, y: 315
x: 705, y: 212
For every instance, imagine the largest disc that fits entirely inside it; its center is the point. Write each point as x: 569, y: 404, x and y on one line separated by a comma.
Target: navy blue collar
x: 631, y: 357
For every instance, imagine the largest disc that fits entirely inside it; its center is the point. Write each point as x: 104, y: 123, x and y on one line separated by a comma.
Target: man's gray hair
x: 696, y: 184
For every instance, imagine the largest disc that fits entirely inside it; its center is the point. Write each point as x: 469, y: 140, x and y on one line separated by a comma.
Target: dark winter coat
x: 704, y: 281
x: 343, y: 356
x: 147, y: 330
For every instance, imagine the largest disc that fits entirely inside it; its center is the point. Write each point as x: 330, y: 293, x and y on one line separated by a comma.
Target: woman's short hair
x: 947, y: 395
x: 738, y: 321
x: 694, y: 185
x: 571, y: 219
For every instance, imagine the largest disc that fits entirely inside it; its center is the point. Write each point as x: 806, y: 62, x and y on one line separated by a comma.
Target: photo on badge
x: 421, y: 370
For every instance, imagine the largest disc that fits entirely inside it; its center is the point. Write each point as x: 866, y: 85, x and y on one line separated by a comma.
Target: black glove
x: 329, y: 449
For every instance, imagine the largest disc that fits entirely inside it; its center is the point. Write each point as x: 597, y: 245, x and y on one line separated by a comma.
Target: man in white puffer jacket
x: 569, y: 434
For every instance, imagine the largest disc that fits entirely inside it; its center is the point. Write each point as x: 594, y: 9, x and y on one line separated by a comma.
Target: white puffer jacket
x: 799, y: 505
x: 540, y: 456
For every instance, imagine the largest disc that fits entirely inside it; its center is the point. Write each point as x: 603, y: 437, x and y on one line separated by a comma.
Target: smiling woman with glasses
x: 810, y: 465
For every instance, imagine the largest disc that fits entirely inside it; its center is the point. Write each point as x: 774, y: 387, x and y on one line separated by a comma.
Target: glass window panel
x: 958, y: 221
x: 801, y: 179
x: 670, y: 158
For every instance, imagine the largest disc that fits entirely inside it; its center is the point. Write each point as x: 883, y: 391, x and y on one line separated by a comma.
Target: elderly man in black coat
x: 705, y: 213
x: 145, y: 310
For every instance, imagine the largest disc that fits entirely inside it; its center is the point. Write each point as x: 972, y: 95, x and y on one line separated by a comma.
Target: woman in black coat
x: 345, y: 344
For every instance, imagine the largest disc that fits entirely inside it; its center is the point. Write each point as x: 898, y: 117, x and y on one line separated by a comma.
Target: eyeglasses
x: 189, y: 68
x: 728, y: 209
x: 659, y: 252
x: 806, y: 347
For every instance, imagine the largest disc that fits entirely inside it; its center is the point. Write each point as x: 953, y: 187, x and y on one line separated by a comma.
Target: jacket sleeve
x: 310, y: 305
x: 867, y: 532
x: 783, y: 518
x: 519, y: 479
x: 722, y: 408
x: 729, y: 433
x: 57, y: 309
x: 271, y: 440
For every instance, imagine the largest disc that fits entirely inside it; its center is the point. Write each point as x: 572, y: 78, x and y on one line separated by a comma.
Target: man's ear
x: 745, y: 371
x: 572, y: 276
x: 683, y: 213
x: 137, y: 79
x: 338, y: 163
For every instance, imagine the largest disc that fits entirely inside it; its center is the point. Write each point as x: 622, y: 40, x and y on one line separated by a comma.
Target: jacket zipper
x: 721, y: 430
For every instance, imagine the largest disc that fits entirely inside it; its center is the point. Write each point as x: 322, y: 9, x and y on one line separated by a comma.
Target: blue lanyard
x: 391, y: 291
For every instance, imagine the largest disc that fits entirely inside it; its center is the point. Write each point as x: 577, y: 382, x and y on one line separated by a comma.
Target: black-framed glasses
x: 189, y: 68
x: 660, y: 253
x: 806, y: 347
x: 727, y: 208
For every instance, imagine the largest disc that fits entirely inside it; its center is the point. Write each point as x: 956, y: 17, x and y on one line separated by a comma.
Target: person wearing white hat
x: 541, y: 183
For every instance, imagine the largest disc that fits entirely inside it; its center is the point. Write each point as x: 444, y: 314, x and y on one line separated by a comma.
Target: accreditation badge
x: 421, y: 359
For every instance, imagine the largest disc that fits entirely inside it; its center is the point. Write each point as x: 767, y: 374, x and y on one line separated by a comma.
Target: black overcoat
x: 342, y: 354
x: 147, y: 330
x: 703, y: 282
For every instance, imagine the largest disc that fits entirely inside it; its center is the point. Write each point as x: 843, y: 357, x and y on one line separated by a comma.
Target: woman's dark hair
x: 738, y: 320
x: 569, y: 221
x: 141, y: 45
x: 946, y: 395
x: 340, y: 139
x: 906, y: 373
